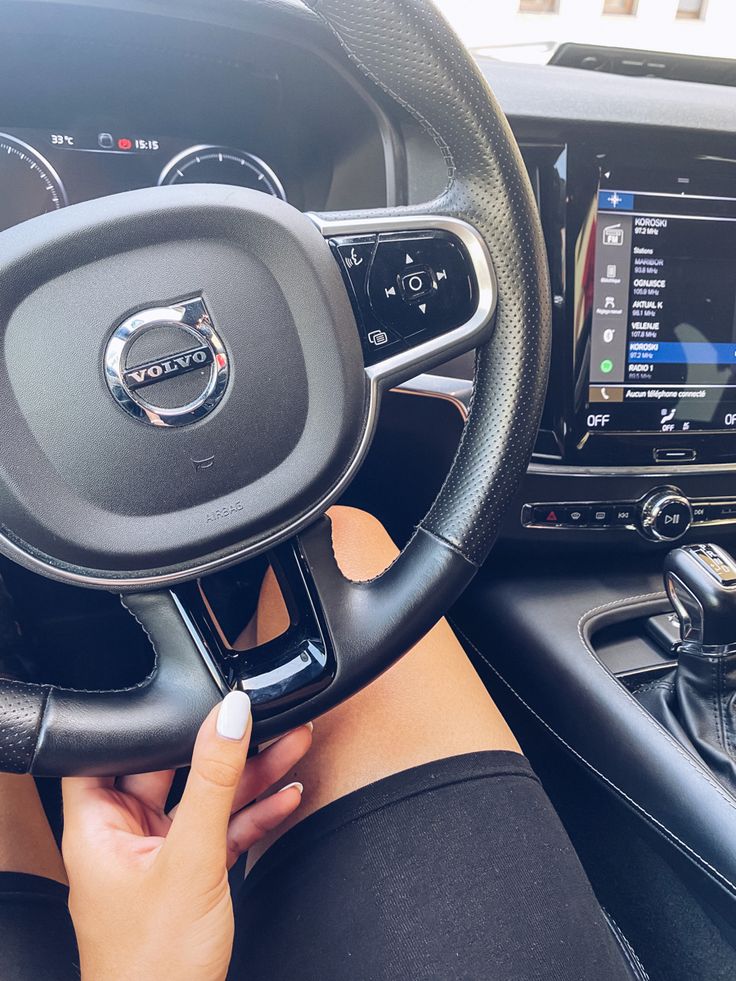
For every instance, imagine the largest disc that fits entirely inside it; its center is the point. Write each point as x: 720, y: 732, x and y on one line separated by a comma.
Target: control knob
x: 665, y: 515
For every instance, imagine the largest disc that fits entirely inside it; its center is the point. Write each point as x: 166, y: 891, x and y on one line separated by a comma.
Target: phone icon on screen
x: 604, y: 393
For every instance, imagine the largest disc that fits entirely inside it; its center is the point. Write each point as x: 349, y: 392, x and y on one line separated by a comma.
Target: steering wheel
x: 191, y: 375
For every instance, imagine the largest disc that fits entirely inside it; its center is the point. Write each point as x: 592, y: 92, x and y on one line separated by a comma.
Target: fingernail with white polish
x: 232, y: 719
x: 310, y: 726
x: 296, y: 784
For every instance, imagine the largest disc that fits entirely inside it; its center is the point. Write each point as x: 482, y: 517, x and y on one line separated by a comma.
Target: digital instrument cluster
x: 42, y: 170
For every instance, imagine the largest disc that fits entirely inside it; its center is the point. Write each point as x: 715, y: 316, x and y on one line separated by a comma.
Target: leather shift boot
x: 697, y: 704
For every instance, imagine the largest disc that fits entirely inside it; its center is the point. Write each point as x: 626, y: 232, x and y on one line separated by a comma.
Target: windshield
x: 530, y: 30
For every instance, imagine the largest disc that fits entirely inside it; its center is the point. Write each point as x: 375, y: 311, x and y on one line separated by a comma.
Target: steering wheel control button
x: 355, y: 253
x: 167, y: 366
x: 417, y: 283
x: 382, y: 337
x: 666, y: 515
x: 421, y: 284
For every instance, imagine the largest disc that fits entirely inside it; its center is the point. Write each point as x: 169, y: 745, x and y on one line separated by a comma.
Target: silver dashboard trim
x: 684, y: 470
x: 461, y: 390
x: 456, y: 391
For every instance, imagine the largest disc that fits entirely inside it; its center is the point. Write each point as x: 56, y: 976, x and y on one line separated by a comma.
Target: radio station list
x: 663, y: 342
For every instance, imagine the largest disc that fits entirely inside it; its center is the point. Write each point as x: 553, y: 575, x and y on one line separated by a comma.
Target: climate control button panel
x: 664, y: 515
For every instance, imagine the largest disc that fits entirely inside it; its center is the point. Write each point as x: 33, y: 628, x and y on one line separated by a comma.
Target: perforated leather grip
x: 150, y: 726
x: 406, y: 48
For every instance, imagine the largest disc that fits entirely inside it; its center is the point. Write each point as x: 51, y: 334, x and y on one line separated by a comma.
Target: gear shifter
x: 701, y: 583
x: 696, y: 701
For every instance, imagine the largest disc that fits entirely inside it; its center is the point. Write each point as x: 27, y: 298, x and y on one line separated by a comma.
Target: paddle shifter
x: 696, y: 701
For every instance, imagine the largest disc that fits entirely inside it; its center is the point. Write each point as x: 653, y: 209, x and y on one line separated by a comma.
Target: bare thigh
x: 26, y: 842
x: 428, y: 706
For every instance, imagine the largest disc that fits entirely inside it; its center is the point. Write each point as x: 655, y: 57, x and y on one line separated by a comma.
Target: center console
x: 592, y: 649
x: 569, y: 623
x: 638, y: 438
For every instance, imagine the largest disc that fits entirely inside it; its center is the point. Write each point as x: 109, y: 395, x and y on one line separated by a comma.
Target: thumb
x: 202, y: 817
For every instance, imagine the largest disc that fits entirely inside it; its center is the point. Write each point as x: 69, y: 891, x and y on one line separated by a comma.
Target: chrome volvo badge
x: 166, y: 365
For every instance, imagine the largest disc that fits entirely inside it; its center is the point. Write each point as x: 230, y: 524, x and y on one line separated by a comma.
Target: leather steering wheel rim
x: 406, y: 48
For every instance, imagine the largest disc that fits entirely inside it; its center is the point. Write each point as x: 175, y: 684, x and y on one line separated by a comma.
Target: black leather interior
x: 634, y: 965
x: 21, y: 708
x: 536, y: 633
x: 407, y: 49
x: 695, y: 703
x: 148, y: 727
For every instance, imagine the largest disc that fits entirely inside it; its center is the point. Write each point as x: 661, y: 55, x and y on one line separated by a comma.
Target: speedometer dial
x: 221, y: 165
x: 29, y: 185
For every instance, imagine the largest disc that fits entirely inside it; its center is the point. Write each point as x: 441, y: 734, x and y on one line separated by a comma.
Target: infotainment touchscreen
x: 663, y: 312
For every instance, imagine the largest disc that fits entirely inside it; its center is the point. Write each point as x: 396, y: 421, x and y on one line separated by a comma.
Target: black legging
x: 457, y: 869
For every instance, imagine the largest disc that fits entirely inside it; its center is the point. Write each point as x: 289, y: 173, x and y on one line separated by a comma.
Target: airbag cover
x: 83, y: 484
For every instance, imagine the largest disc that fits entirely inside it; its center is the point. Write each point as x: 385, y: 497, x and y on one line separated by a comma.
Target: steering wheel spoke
x: 363, y: 626
x: 341, y: 633
x: 284, y: 672
x: 422, y: 285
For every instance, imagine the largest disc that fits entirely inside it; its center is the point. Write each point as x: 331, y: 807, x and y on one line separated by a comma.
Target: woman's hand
x: 149, y: 892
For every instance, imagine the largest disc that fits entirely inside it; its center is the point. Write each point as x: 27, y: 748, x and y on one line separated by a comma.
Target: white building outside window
x: 527, y: 30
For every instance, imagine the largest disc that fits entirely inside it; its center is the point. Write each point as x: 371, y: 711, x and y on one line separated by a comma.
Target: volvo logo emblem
x: 166, y: 365
x: 147, y: 374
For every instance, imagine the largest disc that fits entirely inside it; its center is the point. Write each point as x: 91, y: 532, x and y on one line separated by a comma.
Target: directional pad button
x: 421, y: 284
x: 417, y: 283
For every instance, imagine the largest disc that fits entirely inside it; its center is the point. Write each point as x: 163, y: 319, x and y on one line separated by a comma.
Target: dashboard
x: 96, y: 100
x: 44, y: 170
x: 635, y: 180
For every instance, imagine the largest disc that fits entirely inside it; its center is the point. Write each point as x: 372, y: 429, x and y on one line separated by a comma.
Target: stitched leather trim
x: 627, y: 950
x: 448, y: 544
x: 691, y: 760
x: 658, y: 825
x: 421, y: 119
